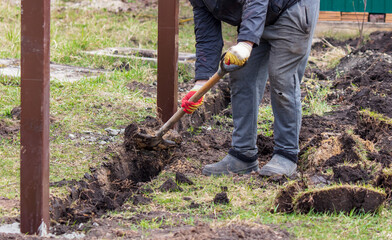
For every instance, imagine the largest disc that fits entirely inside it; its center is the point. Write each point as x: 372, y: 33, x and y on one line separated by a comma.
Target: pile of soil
x: 344, y: 198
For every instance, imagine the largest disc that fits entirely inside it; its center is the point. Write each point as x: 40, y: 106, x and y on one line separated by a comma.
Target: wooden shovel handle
x: 180, y: 112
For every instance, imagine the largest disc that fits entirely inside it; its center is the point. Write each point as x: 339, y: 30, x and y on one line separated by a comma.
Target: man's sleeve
x: 209, y: 42
x: 254, y: 15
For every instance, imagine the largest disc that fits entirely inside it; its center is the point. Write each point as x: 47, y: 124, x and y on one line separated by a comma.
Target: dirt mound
x: 182, y: 179
x: 378, y: 129
x: 221, y: 198
x: 170, y: 186
x: 349, y: 174
x: 231, y: 232
x: 365, y: 82
x: 7, y: 130
x: 344, y: 198
x: 379, y: 41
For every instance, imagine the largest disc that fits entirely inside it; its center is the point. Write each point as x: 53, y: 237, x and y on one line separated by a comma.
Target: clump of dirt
x: 221, y: 198
x: 376, y: 128
x: 182, y: 179
x: 7, y: 129
x: 284, y: 200
x: 232, y: 231
x: 170, y: 186
x: 344, y: 198
x: 384, y: 180
x: 146, y: 89
x: 141, y: 200
x: 348, y: 154
x: 194, y: 205
x: 349, y: 174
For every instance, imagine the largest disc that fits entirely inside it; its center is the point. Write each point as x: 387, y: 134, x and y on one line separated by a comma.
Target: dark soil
x: 141, y: 200
x: 348, y: 174
x: 182, y: 179
x: 170, y: 186
x: 385, y: 181
x: 348, y: 154
x: 340, y: 199
x: 221, y: 198
x: 6, y: 130
x: 194, y: 205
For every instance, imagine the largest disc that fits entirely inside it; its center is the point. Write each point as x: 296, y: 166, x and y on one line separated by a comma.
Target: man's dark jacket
x: 251, y: 16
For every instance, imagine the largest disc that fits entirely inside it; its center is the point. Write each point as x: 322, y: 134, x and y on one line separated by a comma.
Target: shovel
x: 153, y: 141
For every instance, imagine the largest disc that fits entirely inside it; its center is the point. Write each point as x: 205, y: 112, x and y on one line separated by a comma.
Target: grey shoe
x: 230, y: 164
x: 279, y: 165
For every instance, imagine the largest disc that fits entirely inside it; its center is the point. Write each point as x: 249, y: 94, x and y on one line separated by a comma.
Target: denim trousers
x: 281, y: 57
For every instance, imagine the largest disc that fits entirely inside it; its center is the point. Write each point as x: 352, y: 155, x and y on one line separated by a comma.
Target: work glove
x: 190, y: 107
x: 238, y: 54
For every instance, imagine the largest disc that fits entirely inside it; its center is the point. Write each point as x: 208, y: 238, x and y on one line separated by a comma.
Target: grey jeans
x: 281, y: 56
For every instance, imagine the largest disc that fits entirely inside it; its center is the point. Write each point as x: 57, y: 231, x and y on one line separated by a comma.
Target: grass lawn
x: 85, y: 108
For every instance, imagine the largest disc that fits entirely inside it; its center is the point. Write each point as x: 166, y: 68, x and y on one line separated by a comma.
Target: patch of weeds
x: 265, y: 121
x: 376, y: 116
x: 10, y: 81
x: 315, y: 101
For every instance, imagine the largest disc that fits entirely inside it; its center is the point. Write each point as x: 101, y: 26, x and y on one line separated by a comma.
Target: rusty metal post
x: 167, y: 58
x: 34, y: 130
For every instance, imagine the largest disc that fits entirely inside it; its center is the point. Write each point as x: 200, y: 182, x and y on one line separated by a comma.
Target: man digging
x: 274, y: 40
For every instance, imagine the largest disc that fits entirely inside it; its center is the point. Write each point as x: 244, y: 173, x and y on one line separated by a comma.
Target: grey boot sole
x: 226, y: 172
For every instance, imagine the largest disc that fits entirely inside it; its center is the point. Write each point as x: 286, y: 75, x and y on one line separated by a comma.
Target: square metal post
x: 167, y: 87
x: 34, y: 130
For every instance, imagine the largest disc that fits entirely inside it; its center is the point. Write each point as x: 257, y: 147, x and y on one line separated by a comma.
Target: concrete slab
x: 62, y: 73
x: 141, y: 54
x: 329, y: 27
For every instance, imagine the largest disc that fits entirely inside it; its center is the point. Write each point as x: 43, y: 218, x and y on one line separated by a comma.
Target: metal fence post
x: 167, y: 86
x: 34, y: 130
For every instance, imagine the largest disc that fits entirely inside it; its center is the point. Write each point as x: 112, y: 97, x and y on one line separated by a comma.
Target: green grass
x: 315, y: 101
x: 92, y: 104
x: 250, y: 203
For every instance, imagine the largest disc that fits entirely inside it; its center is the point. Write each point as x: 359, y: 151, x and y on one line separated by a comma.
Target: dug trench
x: 351, y: 145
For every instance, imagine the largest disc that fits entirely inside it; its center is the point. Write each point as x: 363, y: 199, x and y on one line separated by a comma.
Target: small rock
x: 92, y: 139
x: 82, y: 138
x: 221, y: 198
x: 71, y: 136
x: 112, y: 132
x: 102, y: 143
x: 122, y: 131
x: 87, y: 132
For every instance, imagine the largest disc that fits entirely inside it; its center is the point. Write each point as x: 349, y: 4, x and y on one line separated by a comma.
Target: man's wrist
x: 200, y: 82
x: 249, y: 42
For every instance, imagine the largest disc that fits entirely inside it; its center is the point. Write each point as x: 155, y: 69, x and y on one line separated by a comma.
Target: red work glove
x: 190, y: 107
